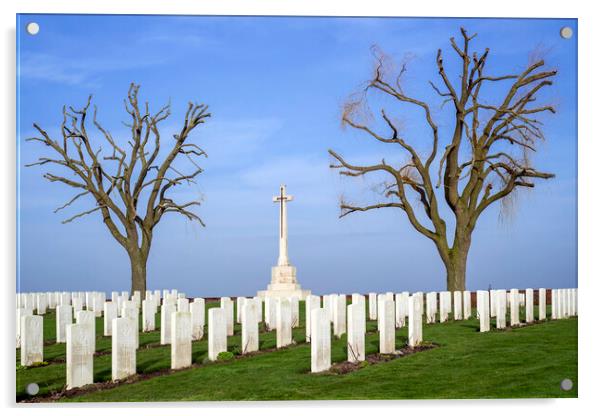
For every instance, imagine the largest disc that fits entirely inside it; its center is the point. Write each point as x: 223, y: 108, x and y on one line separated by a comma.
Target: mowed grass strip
x: 528, y: 361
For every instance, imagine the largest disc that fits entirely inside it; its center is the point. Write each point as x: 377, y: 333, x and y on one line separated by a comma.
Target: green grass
x: 529, y: 361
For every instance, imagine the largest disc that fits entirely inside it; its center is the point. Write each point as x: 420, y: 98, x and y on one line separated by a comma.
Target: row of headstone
x: 495, y: 303
x: 337, y: 317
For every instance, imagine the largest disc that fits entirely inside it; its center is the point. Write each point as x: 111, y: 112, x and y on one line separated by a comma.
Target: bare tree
x: 485, y: 159
x: 129, y: 185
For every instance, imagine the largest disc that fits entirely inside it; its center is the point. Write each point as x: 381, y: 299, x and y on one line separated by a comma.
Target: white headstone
x: 467, y: 302
x: 356, y: 333
x: 42, y: 303
x: 414, y: 321
x: 311, y: 302
x: 123, y: 348
x: 400, y: 316
x: 166, y: 310
x: 249, y: 327
x: 431, y: 307
x: 372, y: 306
x: 483, y: 310
x: 239, y: 305
x: 181, y: 340
x: 217, y: 328
x: 110, y: 312
x: 228, y: 306
x: 500, y: 310
x: 130, y: 310
x: 270, y: 313
x: 149, y: 310
x: 320, y: 340
x: 183, y: 305
x: 340, y: 315
x: 283, y: 323
x: 529, y: 305
x: 80, y: 356
x: 542, y: 305
x: 514, y: 307
x: 457, y: 305
x: 387, y: 327
x: 21, y: 312
x: 493, y: 303
x: 88, y: 319
x: 197, y: 311
x: 32, y: 340
x: 64, y: 317
x: 294, y: 311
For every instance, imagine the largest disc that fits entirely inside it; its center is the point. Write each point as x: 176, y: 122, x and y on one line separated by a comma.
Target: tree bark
x: 455, y: 264
x: 138, y: 268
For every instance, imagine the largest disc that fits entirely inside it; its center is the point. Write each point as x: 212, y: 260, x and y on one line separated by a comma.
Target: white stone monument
x: 372, y: 306
x: 414, y: 320
x: 542, y: 305
x: 284, y: 275
x: 339, y: 314
x: 88, y: 318
x: 80, y: 356
x: 457, y: 305
x: 21, y: 312
x: 228, y: 306
x: 284, y: 334
x: 123, y: 348
x: 467, y: 303
x: 514, y: 307
x: 110, y: 313
x: 387, y: 327
x: 183, y: 305
x: 311, y: 302
x: 529, y: 305
x: 483, y: 310
x: 32, y: 340
x: 217, y: 328
x: 166, y: 310
x: 64, y: 317
x: 356, y: 333
x: 181, y: 340
x: 197, y: 310
x: 249, y: 327
x: 431, y: 307
x: 148, y: 315
x: 320, y: 341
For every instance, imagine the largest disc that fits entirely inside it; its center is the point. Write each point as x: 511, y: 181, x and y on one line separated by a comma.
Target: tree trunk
x: 138, y: 266
x: 456, y: 266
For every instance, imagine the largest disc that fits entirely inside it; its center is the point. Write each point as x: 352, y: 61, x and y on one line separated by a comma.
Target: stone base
x: 284, y: 284
x: 298, y: 293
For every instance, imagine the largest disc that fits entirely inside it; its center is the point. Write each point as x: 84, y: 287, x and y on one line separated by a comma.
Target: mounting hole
x: 32, y: 28
x: 566, y: 32
x: 32, y: 389
x: 566, y: 384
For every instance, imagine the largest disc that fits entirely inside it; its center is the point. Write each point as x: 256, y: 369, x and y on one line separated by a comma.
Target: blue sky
x: 275, y: 87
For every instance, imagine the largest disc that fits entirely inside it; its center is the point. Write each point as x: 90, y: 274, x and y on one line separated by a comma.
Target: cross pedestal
x: 284, y: 275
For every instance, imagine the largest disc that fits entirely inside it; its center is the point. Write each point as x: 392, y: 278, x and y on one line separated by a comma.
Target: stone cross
x: 283, y: 198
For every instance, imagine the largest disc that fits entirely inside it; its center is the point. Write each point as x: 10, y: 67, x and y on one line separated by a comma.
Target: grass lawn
x: 529, y: 361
